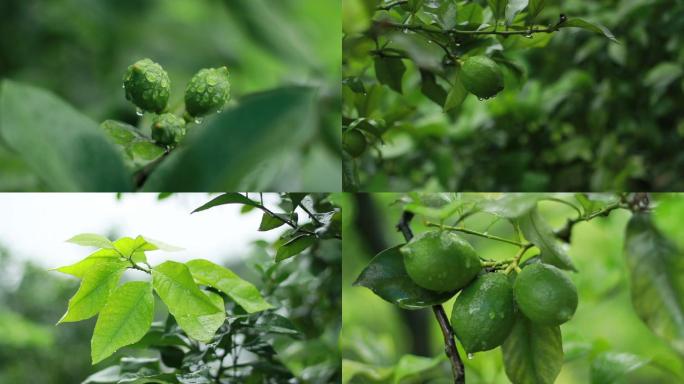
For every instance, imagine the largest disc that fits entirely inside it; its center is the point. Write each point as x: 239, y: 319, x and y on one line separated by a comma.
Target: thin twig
x: 449, y: 339
x: 475, y: 233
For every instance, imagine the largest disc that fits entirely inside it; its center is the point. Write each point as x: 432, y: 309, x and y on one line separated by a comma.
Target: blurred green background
x: 581, y: 113
x: 79, y: 49
x: 378, y: 333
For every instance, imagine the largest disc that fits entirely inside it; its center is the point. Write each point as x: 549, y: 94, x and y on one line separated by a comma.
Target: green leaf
x: 386, y: 276
x: 197, y: 313
x: 536, y: 40
x: 121, y: 133
x: 294, y: 247
x: 244, y: 293
x: 124, y: 320
x: 139, y: 149
x: 82, y: 267
x: 456, y: 96
x: 608, y: 367
x: 203, y: 327
x: 269, y: 221
x: 657, y: 279
x: 593, y: 27
x: 411, y: 366
x: 663, y: 74
x: 251, y: 136
x: 64, y: 148
x: 534, y: 8
x: 498, y: 8
x: 390, y: 71
x: 91, y: 240
x: 98, y: 282
x: 532, y: 353
x: 514, y: 7
x: 470, y: 15
x: 669, y: 217
x: 430, y: 88
x: 227, y: 198
x: 443, y: 13
x: 511, y: 205
x: 276, y: 324
x: 540, y: 233
x: 354, y: 369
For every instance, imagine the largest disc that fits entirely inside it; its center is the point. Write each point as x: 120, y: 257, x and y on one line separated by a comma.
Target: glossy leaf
x: 510, y: 205
x: 540, y: 233
x: 656, y: 269
x: 609, y: 367
x: 244, y: 293
x: 98, y: 282
x: 124, y: 319
x: 196, y: 313
x: 390, y: 71
x: 227, y: 198
x: 64, y: 148
x: 294, y: 247
x: 91, y: 240
x: 82, y: 267
x: 386, y: 276
x: 532, y: 353
x: 256, y: 132
x: 593, y: 27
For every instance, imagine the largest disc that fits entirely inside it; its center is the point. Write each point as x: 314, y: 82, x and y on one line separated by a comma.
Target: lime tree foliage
x: 519, y: 303
x: 220, y: 327
x: 410, y: 68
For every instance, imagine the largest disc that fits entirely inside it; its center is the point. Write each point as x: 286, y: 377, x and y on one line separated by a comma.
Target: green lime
x: 483, y: 313
x: 147, y: 85
x: 440, y: 261
x: 354, y: 142
x: 168, y: 129
x: 482, y: 77
x: 545, y: 294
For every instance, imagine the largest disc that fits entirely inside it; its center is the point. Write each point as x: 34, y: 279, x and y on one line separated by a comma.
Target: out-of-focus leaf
x: 534, y: 8
x: 608, y: 367
x: 498, y: 8
x: 91, y: 240
x: 386, y: 276
x: 657, y: 279
x: 64, y: 148
x: 594, y: 27
x: 411, y: 366
x: 513, y: 8
x: 456, y: 96
x: 442, y: 12
x: 354, y: 369
x: 430, y: 88
x: 235, y: 143
x: 390, y: 71
x: 533, y: 353
x: 669, y: 217
x: 511, y: 205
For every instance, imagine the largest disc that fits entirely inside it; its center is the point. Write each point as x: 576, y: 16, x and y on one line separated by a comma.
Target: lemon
x: 354, y: 142
x: 545, y: 294
x: 481, y: 76
x: 483, y: 314
x: 440, y: 261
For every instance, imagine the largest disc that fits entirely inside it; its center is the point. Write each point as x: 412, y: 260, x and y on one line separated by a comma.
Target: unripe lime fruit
x: 207, y: 92
x: 481, y: 76
x: 440, y: 261
x: 483, y: 314
x: 147, y: 85
x: 354, y: 142
x: 545, y: 294
x: 168, y: 129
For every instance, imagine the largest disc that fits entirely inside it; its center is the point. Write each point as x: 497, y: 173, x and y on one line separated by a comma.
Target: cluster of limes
x: 486, y: 309
x: 147, y: 85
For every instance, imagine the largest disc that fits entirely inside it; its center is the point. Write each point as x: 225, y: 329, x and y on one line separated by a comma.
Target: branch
x: 565, y: 233
x: 449, y: 339
x: 475, y: 233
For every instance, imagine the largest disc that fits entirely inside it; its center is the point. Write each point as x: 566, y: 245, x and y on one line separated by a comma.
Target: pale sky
x: 35, y: 225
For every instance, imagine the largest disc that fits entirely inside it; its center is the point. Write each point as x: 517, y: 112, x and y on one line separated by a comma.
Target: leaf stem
x: 475, y: 233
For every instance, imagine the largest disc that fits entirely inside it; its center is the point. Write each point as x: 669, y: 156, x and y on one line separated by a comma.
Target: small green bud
x: 168, y: 129
x: 147, y: 85
x: 207, y: 91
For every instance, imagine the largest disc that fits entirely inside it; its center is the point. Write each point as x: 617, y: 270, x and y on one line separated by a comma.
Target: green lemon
x: 354, y: 142
x: 482, y: 77
x: 207, y: 92
x: 545, y: 294
x: 147, y: 85
x: 483, y: 314
x: 168, y: 129
x: 440, y: 261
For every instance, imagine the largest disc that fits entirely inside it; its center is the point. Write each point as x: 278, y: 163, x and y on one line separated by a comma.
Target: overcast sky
x: 35, y: 225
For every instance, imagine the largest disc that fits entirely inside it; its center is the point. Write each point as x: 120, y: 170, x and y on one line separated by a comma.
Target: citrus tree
x: 409, y: 67
x: 519, y: 301
x: 217, y: 327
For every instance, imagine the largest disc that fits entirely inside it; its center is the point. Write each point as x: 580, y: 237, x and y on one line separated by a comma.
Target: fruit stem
x: 514, y: 265
x: 475, y: 233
